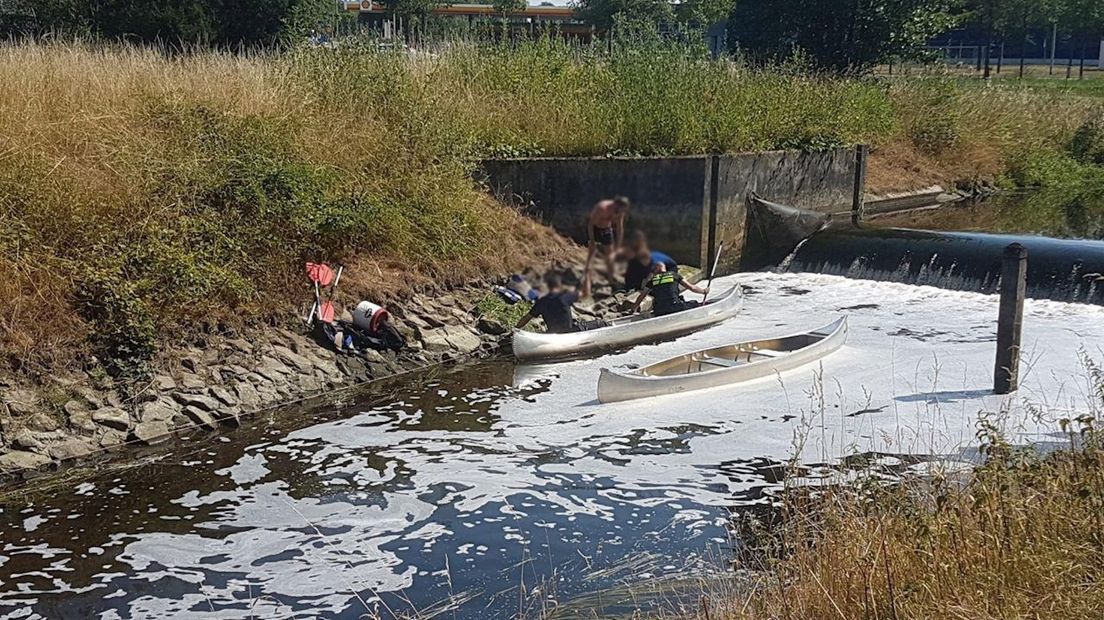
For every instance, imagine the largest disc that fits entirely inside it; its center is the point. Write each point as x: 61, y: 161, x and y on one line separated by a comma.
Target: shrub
x: 1042, y: 166
x: 199, y: 183
x: 1087, y: 144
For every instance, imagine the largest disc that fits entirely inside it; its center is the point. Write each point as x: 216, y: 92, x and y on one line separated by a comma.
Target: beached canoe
x: 722, y: 365
x: 626, y: 331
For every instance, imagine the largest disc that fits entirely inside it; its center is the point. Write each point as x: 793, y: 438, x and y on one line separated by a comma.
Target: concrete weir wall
x: 667, y: 194
x: 686, y: 205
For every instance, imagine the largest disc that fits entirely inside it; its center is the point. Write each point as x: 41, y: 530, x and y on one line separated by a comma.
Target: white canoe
x: 722, y: 365
x: 626, y: 331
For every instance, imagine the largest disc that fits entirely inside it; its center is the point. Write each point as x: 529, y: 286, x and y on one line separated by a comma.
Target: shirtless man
x: 605, y: 228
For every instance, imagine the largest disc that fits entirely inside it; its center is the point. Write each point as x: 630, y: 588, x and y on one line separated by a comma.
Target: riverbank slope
x: 157, y: 209
x: 1018, y: 536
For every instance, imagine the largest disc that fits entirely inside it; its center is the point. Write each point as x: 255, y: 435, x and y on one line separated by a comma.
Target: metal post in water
x: 860, y: 184
x: 1013, y: 287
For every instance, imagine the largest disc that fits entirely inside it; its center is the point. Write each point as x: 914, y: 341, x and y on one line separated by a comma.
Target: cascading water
x: 1059, y: 269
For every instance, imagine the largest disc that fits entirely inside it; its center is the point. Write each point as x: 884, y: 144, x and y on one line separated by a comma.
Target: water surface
x: 505, y: 491
x: 1064, y: 213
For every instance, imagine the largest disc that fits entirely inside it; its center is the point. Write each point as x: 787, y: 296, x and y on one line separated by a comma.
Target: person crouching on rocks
x: 555, y: 307
x: 665, y: 289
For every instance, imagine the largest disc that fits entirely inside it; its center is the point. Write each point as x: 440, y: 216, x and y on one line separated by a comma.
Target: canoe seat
x: 767, y: 352
x: 718, y: 361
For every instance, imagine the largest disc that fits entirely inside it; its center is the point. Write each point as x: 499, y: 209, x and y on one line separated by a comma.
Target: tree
x: 1084, y: 19
x: 505, y: 7
x: 410, y: 8
x: 183, y: 22
x: 986, y: 13
x: 602, y: 14
x: 844, y: 36
x: 703, y: 12
x: 1017, y: 17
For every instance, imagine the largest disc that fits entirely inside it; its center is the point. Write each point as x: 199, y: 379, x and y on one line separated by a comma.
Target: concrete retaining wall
x: 686, y: 205
x: 667, y: 194
x: 818, y: 181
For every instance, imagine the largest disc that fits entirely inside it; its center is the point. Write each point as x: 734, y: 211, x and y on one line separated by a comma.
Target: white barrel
x: 366, y: 315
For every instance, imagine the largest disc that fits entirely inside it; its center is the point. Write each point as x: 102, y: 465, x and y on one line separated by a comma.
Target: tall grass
x: 145, y: 197
x: 1020, y: 536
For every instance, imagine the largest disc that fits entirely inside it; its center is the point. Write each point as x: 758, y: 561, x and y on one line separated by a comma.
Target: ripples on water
x: 405, y: 503
x: 507, y: 490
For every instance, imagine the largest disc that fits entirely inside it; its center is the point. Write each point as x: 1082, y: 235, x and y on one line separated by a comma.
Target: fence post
x: 1013, y: 287
x: 860, y: 184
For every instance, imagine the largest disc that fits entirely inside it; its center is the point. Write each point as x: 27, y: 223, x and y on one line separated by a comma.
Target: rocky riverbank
x: 85, y: 418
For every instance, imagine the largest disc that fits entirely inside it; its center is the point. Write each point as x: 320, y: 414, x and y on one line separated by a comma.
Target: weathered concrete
x: 690, y: 203
x: 667, y: 194
x: 820, y: 181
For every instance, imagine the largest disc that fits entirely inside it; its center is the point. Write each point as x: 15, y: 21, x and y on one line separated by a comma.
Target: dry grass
x: 1021, y: 536
x: 143, y: 195
x: 146, y: 197
x: 958, y: 131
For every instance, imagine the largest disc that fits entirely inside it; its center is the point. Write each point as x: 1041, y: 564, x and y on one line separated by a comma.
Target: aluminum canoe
x: 721, y: 366
x: 626, y: 331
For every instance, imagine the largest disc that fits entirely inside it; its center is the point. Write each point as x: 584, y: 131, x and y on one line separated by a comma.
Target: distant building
x: 532, y: 18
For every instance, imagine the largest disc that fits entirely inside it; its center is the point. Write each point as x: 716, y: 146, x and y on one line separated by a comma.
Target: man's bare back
x: 604, y: 214
x: 605, y: 228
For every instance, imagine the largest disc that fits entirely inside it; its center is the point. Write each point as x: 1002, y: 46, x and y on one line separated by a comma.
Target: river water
x: 959, y: 246
x: 1064, y: 213
x: 495, y: 491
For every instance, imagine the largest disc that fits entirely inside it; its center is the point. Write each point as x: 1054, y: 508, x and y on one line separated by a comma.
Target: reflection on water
x: 493, y: 491
x: 1066, y: 213
x: 395, y: 502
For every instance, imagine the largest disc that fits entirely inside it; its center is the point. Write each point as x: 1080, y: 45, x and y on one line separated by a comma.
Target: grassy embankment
x: 148, y: 199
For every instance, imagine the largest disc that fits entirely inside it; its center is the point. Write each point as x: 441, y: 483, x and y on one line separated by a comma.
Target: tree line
x: 854, y: 35
x: 846, y: 36
x: 1015, y: 20
x: 187, y: 23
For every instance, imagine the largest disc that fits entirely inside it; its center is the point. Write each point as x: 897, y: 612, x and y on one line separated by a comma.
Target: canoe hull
x: 615, y: 386
x: 543, y: 346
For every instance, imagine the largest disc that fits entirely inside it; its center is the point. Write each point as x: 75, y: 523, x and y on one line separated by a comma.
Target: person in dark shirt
x: 641, y: 261
x: 665, y: 289
x: 554, y: 307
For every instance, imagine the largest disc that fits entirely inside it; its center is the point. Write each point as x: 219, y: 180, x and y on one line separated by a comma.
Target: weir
x: 1058, y: 269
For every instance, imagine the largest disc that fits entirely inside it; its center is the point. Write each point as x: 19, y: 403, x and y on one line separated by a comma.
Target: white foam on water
x: 914, y: 375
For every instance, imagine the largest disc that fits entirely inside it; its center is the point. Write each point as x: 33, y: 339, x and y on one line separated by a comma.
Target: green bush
x: 1087, y: 144
x: 1043, y: 166
x: 934, y: 116
x: 125, y: 337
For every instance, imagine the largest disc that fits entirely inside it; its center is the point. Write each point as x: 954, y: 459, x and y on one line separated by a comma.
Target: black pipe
x: 1060, y: 269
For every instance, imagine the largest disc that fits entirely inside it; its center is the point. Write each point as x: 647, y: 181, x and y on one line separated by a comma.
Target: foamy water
x: 515, y: 488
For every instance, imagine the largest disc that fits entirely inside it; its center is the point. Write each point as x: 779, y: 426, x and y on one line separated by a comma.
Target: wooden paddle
x: 713, y: 271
